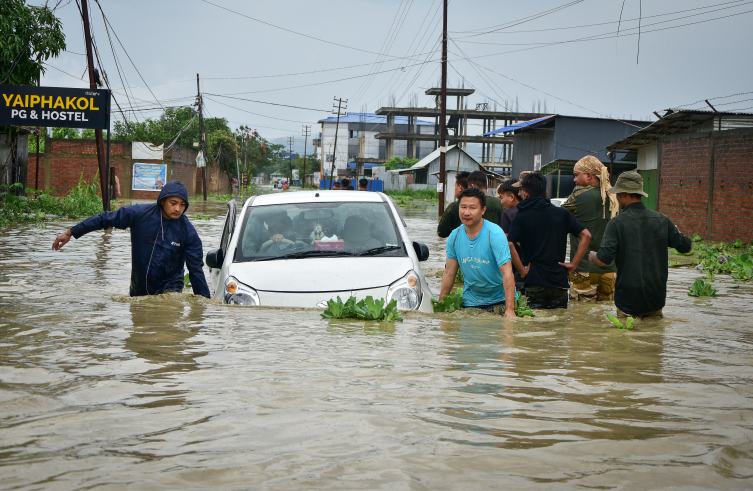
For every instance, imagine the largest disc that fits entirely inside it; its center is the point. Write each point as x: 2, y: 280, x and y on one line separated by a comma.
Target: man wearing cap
x: 637, y: 240
x: 592, y: 206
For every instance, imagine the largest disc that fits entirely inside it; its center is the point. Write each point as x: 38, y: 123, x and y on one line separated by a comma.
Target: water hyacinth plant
x: 702, y: 289
x: 628, y: 326
x: 366, y: 309
x: 450, y: 303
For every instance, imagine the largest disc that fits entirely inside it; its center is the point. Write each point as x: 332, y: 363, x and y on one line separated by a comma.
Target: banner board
x: 149, y: 177
x: 61, y: 107
x: 146, y: 151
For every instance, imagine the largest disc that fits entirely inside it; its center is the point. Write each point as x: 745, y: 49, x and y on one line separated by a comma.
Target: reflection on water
x: 101, y: 390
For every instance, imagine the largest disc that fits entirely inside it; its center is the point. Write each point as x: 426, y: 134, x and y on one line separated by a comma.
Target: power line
x: 270, y: 103
x: 290, y: 30
x: 257, y: 114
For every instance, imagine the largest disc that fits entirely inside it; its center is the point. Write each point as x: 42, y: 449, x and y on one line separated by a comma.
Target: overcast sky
x: 516, y: 50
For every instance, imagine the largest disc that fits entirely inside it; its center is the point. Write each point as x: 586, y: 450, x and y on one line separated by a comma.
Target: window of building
x: 354, y: 133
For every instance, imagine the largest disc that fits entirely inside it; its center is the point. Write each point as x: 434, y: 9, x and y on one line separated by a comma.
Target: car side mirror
x: 422, y: 251
x: 215, y: 258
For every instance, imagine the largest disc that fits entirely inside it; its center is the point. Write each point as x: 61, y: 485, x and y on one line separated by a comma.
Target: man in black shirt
x: 541, y: 230
x: 508, y: 195
x: 637, y: 240
x: 451, y: 217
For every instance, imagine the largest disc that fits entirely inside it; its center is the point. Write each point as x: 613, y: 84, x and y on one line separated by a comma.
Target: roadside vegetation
x: 82, y: 201
x: 366, y: 309
x: 407, y: 196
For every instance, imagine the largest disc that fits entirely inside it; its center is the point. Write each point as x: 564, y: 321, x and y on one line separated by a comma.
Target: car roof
x: 324, y: 196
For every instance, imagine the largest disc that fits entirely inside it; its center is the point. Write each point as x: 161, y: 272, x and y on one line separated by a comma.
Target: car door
x: 227, y: 233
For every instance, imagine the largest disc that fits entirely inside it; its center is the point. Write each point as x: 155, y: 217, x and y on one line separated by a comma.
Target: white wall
x: 648, y: 157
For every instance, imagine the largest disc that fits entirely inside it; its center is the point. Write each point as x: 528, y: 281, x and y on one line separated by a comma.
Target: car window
x: 314, y: 229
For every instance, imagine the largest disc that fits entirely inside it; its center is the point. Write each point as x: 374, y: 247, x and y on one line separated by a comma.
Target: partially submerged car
x: 304, y: 248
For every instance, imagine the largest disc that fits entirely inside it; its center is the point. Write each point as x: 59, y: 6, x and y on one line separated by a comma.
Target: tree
x: 400, y: 163
x: 29, y: 35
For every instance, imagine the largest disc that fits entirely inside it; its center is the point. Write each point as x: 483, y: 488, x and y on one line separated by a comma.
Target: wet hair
x: 363, y: 182
x: 478, y: 179
x: 461, y: 178
x: 534, y: 184
x: 507, y: 187
x: 474, y: 193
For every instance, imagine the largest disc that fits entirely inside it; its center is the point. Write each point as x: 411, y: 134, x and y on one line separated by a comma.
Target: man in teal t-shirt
x: 479, y: 248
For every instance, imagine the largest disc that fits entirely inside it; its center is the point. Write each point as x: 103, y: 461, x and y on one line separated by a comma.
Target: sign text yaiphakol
x: 22, y: 105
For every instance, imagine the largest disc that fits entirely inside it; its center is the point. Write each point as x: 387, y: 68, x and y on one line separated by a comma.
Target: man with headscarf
x: 592, y: 206
x: 637, y: 240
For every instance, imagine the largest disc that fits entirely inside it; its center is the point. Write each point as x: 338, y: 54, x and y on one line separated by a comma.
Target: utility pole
x: 291, y: 140
x: 245, y: 168
x: 201, y: 140
x: 306, y: 132
x: 103, y: 170
x: 443, y: 115
x: 340, y: 103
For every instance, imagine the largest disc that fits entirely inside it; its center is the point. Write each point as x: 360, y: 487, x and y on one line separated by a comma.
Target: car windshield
x: 317, y: 230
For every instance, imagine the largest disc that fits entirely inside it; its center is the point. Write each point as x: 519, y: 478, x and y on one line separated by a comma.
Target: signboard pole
x: 201, y: 140
x: 93, y: 85
x: 107, y: 159
x: 443, y: 115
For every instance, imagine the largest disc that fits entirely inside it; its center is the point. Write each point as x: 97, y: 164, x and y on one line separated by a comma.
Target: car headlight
x: 236, y: 293
x: 406, y: 292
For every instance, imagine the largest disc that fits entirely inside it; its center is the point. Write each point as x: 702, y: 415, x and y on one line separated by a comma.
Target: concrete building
x: 697, y: 168
x: 356, y: 139
x: 553, y: 142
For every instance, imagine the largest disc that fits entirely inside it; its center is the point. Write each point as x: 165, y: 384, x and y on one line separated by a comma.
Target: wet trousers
x: 541, y: 297
x: 657, y: 315
x: 591, y: 287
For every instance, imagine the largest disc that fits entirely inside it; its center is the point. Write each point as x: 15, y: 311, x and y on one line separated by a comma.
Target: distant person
x: 520, y: 182
x: 480, y: 250
x: 154, y: 270
x: 637, y: 240
x: 450, y: 219
x: 494, y: 208
x: 336, y: 185
x: 347, y: 186
x: 285, y: 185
x: 114, y: 185
x: 541, y: 230
x: 593, y: 206
x: 363, y: 184
x: 508, y: 195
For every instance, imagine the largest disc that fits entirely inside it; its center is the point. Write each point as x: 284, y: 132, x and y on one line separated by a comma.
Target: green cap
x: 629, y: 182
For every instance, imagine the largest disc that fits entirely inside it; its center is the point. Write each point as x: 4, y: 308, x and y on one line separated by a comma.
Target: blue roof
x: 518, y: 126
x: 370, y: 118
x: 365, y: 166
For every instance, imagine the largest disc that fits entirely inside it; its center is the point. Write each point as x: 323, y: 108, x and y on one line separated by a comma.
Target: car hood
x: 326, y: 274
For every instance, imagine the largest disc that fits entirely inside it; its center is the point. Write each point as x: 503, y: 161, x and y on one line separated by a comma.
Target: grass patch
x: 82, y: 201
x: 414, y: 194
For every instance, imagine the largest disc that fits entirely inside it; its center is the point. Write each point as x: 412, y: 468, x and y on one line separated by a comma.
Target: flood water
x: 98, y: 390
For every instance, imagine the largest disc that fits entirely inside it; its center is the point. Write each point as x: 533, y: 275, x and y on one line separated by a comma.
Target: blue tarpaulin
x: 518, y: 126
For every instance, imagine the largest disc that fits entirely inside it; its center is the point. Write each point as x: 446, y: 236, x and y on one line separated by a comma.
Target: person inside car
x: 357, y: 234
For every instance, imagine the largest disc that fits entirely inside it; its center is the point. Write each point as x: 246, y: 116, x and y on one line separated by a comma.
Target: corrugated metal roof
x: 518, y: 126
x: 424, y: 162
x: 677, y: 121
x: 370, y: 118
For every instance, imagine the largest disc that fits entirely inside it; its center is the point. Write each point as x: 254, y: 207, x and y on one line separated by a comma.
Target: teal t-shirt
x: 480, y: 260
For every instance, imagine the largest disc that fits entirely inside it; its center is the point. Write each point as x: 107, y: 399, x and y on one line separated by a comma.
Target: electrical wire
x: 270, y: 103
x: 257, y: 114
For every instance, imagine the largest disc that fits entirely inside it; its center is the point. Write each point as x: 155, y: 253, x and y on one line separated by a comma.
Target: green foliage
x: 400, y: 163
x: 450, y: 302
x: 366, y: 309
x: 221, y: 197
x: 459, y: 278
x: 522, y: 309
x: 697, y: 238
x: 29, y: 35
x: 203, y: 217
x: 710, y: 276
x: 628, y: 326
x: 702, y: 289
x: 186, y: 281
x: 411, y: 194
x: 82, y: 201
x: 717, y: 258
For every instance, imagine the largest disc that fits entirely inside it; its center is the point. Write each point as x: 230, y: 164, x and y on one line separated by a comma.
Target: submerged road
x: 98, y: 390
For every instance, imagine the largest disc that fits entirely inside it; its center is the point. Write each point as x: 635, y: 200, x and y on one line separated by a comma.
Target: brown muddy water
x: 101, y: 391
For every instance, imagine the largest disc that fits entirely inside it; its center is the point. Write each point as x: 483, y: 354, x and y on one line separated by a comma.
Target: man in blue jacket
x: 162, y: 241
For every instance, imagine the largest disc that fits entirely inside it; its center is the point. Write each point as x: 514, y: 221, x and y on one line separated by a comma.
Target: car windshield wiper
x: 301, y: 254
x: 377, y: 250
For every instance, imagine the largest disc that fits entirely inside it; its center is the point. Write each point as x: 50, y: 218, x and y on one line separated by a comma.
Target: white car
x: 304, y: 248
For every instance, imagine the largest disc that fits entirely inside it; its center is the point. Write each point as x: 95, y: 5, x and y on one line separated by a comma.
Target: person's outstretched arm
x: 448, y: 278
x: 585, y: 240
x: 121, y: 218
x: 195, y: 264
x: 509, y: 285
x: 676, y: 239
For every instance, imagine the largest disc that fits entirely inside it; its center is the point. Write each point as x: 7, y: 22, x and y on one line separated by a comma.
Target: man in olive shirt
x: 592, y: 206
x: 451, y: 217
x: 637, y: 240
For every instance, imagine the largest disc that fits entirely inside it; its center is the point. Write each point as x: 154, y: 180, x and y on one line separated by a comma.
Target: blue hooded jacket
x: 159, y: 247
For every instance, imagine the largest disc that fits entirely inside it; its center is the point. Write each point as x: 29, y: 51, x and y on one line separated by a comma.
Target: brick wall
x: 684, y: 183
x: 65, y: 161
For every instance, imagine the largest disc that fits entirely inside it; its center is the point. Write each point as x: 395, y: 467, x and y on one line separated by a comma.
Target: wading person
x: 480, y: 250
x: 541, y: 230
x: 637, y: 240
x: 593, y: 206
x: 451, y: 217
x: 508, y: 195
x: 162, y: 241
